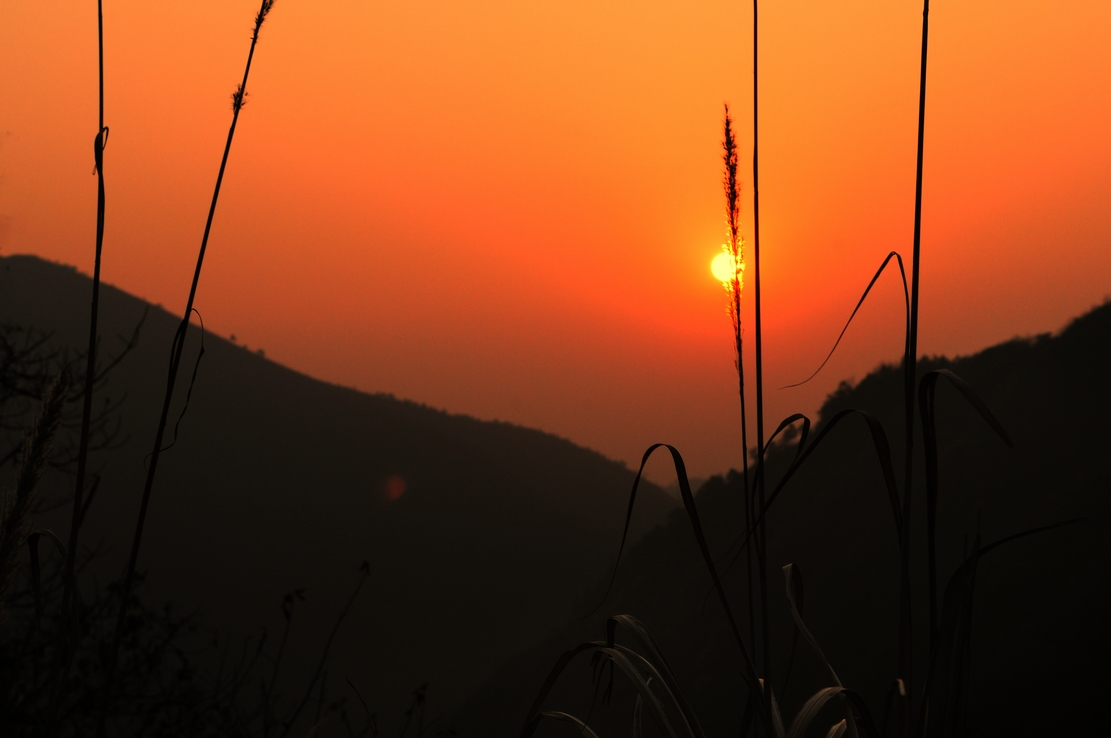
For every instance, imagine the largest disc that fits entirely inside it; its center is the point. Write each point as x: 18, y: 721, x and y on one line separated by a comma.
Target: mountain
x: 1040, y: 644
x: 479, y: 535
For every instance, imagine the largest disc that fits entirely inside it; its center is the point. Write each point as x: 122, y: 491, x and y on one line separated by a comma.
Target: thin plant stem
x: 762, y: 553
x: 65, y: 652
x: 238, y: 100
x: 909, y: 374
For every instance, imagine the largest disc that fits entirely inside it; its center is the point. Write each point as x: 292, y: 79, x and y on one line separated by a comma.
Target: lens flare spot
x: 394, y: 487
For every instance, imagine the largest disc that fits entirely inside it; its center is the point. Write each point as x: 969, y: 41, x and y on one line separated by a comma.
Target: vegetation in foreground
x: 69, y: 672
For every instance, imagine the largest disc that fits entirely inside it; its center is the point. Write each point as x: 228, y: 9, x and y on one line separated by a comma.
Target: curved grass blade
x: 777, y: 717
x: 749, y: 674
x: 653, y: 674
x: 813, y: 706
x: 659, y: 662
x: 927, y: 389
x: 759, y: 474
x: 943, y: 703
x: 620, y: 658
x: 875, y: 278
x: 883, y: 453
x: 838, y: 730
x: 791, y: 573
x: 584, y: 729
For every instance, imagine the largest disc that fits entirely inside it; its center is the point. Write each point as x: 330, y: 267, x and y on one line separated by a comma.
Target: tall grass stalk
x: 733, y: 286
x: 910, y: 362
x: 238, y: 100
x: 90, y: 380
x: 761, y: 547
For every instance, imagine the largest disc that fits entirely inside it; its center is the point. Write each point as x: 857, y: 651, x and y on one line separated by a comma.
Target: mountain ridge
x: 279, y: 481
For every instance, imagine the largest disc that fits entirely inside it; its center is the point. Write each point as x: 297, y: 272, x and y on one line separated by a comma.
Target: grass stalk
x: 733, y: 286
x: 238, y: 100
x: 90, y: 380
x: 910, y: 380
x: 762, y: 551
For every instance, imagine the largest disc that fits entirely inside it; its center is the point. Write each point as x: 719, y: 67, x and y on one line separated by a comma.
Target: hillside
x: 1040, y: 643
x: 478, y: 534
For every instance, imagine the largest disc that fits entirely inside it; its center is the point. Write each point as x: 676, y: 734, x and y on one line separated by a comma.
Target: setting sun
x: 722, y: 267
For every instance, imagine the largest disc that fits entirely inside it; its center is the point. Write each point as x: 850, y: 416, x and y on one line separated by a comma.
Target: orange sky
x: 508, y: 209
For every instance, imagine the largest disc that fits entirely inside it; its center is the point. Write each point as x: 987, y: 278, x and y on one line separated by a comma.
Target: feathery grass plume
x: 176, y: 351
x: 15, y: 513
x: 735, y: 249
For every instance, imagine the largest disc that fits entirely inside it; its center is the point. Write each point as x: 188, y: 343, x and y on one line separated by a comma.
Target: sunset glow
x: 382, y: 138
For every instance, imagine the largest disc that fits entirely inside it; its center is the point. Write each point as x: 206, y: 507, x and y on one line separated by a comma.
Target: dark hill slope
x: 279, y: 481
x: 1040, y: 649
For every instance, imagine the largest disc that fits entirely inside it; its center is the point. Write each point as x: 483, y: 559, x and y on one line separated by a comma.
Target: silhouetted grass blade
x: 813, y: 706
x: 875, y: 277
x: 627, y: 661
x: 883, y: 454
x: 927, y: 389
x: 791, y: 574
x: 944, y: 706
x: 658, y: 660
x: 584, y: 729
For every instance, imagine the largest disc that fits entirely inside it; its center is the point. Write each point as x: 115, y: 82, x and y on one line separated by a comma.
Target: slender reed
x: 90, y: 380
x: 733, y: 286
x: 762, y: 547
x: 238, y: 99
x: 909, y: 381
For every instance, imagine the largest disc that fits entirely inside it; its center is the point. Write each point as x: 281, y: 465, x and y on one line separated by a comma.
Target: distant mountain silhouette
x: 480, y: 535
x: 1041, y: 646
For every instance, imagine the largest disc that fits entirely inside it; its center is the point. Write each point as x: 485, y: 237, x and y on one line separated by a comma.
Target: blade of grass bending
x: 584, y: 729
x: 940, y: 703
x: 837, y: 730
x: 791, y: 574
x: 926, y: 391
x: 773, y: 707
x: 692, y: 513
x: 813, y: 706
x: 238, y: 99
x: 659, y: 662
x: 883, y: 453
x: 945, y: 681
x: 803, y: 435
x: 651, y: 674
x: 875, y: 278
x: 620, y: 659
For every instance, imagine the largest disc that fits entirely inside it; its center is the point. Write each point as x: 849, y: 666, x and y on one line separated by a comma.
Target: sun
x: 722, y: 267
